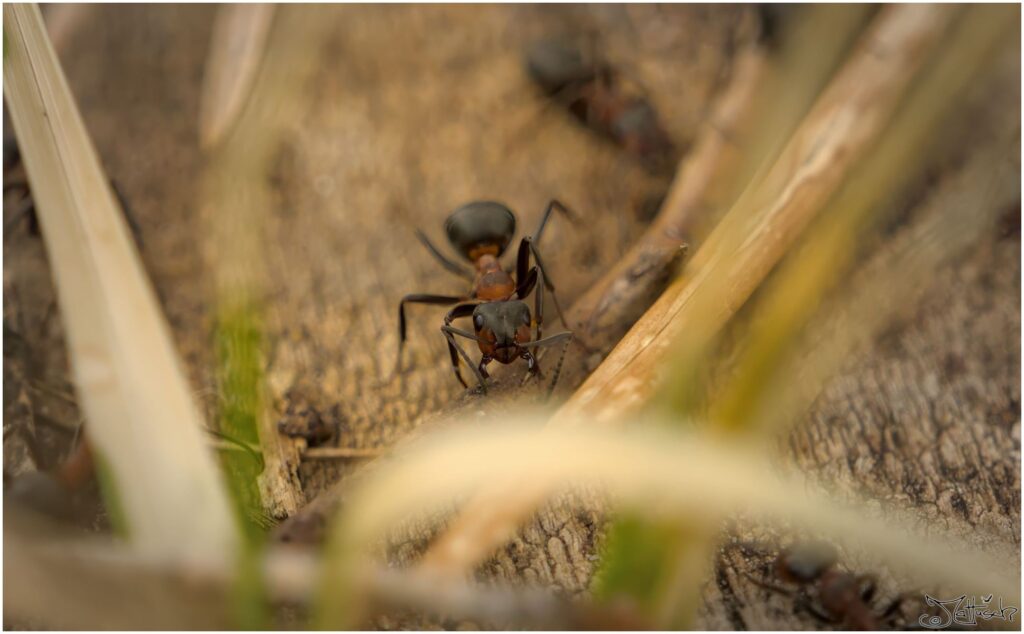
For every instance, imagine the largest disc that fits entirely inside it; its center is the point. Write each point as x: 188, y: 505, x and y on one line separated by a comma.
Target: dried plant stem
x: 749, y: 241
x: 343, y: 453
x: 956, y: 215
x: 237, y: 46
x: 603, y: 313
x: 749, y: 123
x: 795, y: 292
x: 655, y: 473
x: 143, y: 425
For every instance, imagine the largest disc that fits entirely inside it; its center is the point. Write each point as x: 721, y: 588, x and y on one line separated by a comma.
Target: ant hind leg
x: 552, y: 205
x: 452, y: 267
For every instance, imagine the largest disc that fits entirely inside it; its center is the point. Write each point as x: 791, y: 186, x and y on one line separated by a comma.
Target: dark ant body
x: 481, y: 232
x: 16, y: 180
x: 593, y: 93
x: 839, y: 597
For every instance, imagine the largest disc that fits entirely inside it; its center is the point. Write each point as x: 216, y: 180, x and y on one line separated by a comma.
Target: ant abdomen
x: 553, y: 65
x: 480, y: 226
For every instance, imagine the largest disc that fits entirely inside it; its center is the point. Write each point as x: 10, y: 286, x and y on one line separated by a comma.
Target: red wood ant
x: 837, y: 597
x: 480, y: 232
x: 593, y: 93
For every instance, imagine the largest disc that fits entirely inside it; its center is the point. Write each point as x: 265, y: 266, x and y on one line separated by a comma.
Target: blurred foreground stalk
x: 657, y: 472
x: 236, y: 199
x: 793, y: 296
x: 160, y: 481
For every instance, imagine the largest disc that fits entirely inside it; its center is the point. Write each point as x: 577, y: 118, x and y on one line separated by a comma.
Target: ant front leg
x: 455, y: 350
x: 417, y: 298
x: 526, y: 249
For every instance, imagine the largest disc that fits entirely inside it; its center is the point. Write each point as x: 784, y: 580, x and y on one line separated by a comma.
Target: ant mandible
x: 480, y: 232
x: 842, y: 597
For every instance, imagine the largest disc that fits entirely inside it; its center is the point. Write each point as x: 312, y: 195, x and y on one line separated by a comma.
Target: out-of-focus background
x: 409, y: 113
x: 406, y: 112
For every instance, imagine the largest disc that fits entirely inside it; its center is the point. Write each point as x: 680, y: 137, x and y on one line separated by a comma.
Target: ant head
x: 554, y: 65
x: 480, y: 227
x: 501, y: 327
x: 806, y: 562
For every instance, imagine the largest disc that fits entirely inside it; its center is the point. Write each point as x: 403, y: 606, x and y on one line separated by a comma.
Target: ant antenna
x: 558, y: 370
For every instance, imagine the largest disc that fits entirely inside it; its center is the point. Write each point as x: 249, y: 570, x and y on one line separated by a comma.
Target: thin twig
x: 343, y: 453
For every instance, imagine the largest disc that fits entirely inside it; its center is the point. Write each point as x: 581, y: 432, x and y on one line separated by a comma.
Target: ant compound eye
x: 526, y: 318
x: 478, y: 321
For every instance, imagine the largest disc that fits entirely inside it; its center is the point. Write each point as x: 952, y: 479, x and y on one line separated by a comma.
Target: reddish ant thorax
x: 492, y: 282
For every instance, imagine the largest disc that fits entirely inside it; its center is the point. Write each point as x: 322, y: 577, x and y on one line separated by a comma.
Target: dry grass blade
x: 957, y: 215
x: 768, y: 218
x: 657, y: 474
x: 600, y: 316
x: 756, y: 233
x: 236, y: 48
x: 830, y: 247
x: 794, y: 294
x: 142, y: 421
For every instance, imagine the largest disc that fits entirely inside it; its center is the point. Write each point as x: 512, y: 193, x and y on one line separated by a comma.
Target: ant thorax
x: 493, y: 282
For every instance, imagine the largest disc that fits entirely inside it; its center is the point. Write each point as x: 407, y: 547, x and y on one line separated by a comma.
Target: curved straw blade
x: 658, y: 473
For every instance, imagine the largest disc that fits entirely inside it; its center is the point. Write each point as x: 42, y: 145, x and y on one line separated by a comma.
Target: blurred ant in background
x: 594, y: 94
x: 480, y: 232
x: 16, y: 180
x: 827, y: 593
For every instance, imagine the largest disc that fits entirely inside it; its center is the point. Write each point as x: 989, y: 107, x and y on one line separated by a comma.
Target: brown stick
x: 737, y: 256
x: 604, y: 313
x: 343, y: 453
